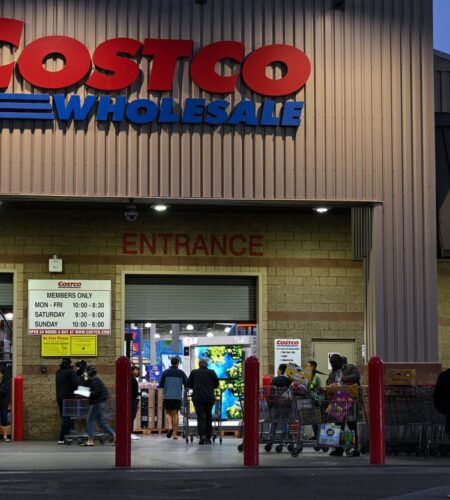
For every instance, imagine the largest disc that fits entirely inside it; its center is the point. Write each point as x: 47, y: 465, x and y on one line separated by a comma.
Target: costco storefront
x: 241, y: 117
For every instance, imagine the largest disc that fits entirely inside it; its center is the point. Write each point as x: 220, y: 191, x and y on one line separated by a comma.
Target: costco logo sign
x: 114, y: 66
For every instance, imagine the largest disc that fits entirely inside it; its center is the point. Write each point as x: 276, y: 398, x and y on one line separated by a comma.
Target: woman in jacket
x: 97, y: 407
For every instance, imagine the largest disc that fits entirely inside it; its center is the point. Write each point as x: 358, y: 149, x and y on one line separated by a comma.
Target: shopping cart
x: 279, y: 420
x: 77, y: 409
x: 405, y: 421
x: 188, y: 425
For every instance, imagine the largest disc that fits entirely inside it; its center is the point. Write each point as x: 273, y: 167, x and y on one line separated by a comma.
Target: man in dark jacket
x: 97, y: 406
x: 203, y: 381
x: 66, y: 381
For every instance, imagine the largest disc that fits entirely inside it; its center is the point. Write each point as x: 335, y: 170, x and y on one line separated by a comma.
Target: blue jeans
x: 97, y: 414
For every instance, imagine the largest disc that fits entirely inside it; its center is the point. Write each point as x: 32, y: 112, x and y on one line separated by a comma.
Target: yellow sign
x: 55, y: 345
x: 68, y: 345
x: 83, y: 345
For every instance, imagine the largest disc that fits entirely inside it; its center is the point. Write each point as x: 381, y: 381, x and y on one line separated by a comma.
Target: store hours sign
x: 69, y: 307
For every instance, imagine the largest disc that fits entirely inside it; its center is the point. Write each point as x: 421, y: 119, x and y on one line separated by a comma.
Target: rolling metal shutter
x: 6, y: 289
x: 190, y: 298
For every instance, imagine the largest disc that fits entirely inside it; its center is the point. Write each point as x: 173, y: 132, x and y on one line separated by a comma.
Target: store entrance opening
x: 190, y: 318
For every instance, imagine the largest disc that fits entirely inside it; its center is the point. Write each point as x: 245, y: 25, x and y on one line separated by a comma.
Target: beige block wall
x: 444, y: 313
x: 310, y: 288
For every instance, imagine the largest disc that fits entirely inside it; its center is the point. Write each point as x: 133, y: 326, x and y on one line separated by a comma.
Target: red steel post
x: 123, y: 412
x: 266, y: 380
x: 376, y: 408
x: 251, y: 411
x: 18, y: 408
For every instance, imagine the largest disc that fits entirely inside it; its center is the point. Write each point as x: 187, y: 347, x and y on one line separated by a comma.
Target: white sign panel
x: 69, y: 307
x: 288, y: 351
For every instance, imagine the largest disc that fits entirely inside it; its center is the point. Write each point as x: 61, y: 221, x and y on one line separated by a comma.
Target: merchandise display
x: 227, y: 362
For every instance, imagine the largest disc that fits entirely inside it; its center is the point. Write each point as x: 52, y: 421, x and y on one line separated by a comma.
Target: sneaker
x: 353, y: 453
x: 134, y: 437
x: 6, y: 440
x: 61, y: 442
x: 169, y: 434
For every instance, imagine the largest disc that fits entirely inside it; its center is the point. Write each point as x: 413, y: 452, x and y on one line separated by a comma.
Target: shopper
x: 5, y: 400
x: 315, y: 387
x: 343, y: 373
x: 97, y: 407
x: 172, y: 381
x: 203, y: 381
x: 279, y: 402
x: 135, y: 396
x: 66, y: 381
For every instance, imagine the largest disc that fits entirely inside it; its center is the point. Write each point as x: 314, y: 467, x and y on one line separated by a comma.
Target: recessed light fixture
x: 320, y: 210
x: 189, y: 327
x: 160, y: 208
x: 148, y: 325
x: 170, y: 332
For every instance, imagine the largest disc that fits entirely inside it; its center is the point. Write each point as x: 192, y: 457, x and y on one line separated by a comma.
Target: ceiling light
x: 148, y: 325
x: 160, y: 208
x: 157, y: 336
x: 189, y: 327
x: 170, y: 332
x: 320, y: 210
x: 227, y: 329
x: 210, y: 334
x: 9, y: 316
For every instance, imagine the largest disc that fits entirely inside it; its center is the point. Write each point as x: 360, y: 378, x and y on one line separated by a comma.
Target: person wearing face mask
x: 343, y: 373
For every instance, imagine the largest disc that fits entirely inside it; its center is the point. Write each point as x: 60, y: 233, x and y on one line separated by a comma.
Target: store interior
x: 151, y: 345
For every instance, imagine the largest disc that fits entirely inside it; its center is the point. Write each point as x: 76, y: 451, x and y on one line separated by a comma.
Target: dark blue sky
x: 442, y: 25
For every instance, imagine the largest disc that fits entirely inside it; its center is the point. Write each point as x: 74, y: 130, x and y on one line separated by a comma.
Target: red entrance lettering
x: 181, y: 241
x: 233, y: 249
x: 165, y: 237
x: 143, y: 240
x: 222, y: 246
x: 200, y: 245
x: 255, y: 241
x: 127, y: 243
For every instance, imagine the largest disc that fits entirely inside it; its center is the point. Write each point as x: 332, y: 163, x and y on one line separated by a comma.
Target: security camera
x: 131, y: 212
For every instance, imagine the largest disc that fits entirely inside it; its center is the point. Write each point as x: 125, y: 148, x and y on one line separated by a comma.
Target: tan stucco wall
x: 310, y: 288
x: 444, y: 313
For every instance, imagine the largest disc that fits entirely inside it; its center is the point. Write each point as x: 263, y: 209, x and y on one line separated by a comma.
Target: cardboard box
x: 403, y: 376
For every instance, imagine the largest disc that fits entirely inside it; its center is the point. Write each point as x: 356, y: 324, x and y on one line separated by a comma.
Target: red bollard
x: 18, y: 408
x: 251, y: 411
x: 267, y: 379
x: 123, y: 412
x: 376, y: 409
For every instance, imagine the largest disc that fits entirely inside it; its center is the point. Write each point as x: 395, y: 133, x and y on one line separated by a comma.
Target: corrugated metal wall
x: 442, y: 82
x: 344, y: 149
x: 367, y: 131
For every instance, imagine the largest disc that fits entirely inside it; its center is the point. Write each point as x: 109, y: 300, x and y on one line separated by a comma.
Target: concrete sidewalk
x: 158, y: 452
